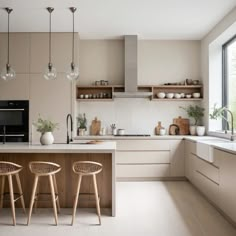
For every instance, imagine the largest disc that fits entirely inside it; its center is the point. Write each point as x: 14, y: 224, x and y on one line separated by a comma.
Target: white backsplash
x: 134, y: 115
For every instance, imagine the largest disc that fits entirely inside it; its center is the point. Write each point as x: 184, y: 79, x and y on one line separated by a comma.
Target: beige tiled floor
x: 143, y: 208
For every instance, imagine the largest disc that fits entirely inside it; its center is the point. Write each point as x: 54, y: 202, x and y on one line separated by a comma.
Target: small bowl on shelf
x: 161, y: 95
x: 81, y: 96
x: 169, y: 95
x: 188, y: 95
x: 177, y: 95
x: 196, y: 95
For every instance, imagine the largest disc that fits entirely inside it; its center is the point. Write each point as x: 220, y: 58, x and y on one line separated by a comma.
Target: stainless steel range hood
x: 131, y: 70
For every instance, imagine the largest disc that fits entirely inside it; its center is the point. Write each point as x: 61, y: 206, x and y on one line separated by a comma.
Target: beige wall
x: 101, y: 60
x: 158, y: 62
x: 29, y: 58
x: 211, y: 66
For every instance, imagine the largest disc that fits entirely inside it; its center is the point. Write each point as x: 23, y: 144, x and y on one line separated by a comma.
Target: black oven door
x: 14, y: 118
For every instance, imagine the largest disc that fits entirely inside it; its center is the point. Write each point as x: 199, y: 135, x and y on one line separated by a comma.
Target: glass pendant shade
x: 73, y: 73
x: 50, y: 72
x: 8, y: 73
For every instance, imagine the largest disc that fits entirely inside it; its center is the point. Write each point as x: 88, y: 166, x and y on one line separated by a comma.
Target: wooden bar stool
x: 40, y: 169
x: 9, y: 169
x: 86, y: 168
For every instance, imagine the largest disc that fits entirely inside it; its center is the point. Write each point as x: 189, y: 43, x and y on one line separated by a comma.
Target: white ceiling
x: 99, y: 19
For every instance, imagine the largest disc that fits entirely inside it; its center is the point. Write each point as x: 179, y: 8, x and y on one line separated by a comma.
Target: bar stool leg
x: 56, y: 192
x: 32, y: 198
x: 53, y: 198
x: 2, y: 191
x: 20, y: 191
x: 12, y: 199
x: 96, y: 197
x: 76, y: 198
x: 35, y: 205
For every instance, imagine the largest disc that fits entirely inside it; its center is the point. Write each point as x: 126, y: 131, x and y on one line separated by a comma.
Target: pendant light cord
x: 50, y: 31
x: 73, y: 38
x: 8, y: 41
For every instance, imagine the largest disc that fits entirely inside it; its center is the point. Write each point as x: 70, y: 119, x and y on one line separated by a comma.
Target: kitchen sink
x: 205, y: 148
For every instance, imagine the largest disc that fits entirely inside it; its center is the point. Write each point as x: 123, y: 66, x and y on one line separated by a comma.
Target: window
x: 229, y: 78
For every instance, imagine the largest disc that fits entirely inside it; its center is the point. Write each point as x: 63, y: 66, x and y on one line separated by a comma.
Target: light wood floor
x: 143, y: 208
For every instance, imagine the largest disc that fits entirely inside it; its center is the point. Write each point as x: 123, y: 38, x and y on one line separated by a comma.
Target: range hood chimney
x: 131, y: 70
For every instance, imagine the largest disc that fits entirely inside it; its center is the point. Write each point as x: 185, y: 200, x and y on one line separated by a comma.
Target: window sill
x: 222, y: 134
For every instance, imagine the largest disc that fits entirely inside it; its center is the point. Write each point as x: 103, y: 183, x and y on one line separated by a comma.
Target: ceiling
x: 102, y: 19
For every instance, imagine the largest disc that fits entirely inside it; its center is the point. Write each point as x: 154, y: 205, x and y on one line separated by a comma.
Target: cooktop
x: 134, y: 135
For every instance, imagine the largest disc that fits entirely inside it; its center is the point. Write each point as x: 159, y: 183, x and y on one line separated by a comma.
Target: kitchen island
x: 65, y: 155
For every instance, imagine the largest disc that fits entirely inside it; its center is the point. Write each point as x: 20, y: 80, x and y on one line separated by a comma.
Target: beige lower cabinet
x: 215, y: 180
x: 206, y: 178
x: 204, y: 175
x: 190, y: 150
x: 227, y: 163
x: 147, y: 159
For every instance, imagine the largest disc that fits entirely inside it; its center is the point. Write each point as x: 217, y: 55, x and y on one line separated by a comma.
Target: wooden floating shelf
x: 177, y: 99
x: 94, y: 99
x: 108, y: 90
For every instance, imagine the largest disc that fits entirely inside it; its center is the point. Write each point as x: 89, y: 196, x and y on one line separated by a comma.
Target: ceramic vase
x: 193, y: 129
x: 46, y: 138
x: 82, y: 132
x: 201, y: 130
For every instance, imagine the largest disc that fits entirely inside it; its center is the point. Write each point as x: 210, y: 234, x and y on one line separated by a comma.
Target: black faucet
x: 4, y: 135
x: 68, y: 140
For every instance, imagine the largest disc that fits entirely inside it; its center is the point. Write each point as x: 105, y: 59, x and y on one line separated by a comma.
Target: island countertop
x: 79, y: 147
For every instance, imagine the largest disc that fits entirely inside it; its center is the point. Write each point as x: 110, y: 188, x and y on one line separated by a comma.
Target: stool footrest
x: 18, y: 196
x: 44, y: 194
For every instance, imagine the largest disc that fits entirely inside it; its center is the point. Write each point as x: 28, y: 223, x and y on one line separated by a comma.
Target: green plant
x: 195, y: 112
x: 218, y: 113
x: 221, y: 113
x: 82, y: 121
x: 45, y: 125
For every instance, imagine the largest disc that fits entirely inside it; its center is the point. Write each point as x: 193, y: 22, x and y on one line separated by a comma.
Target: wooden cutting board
x: 95, y: 127
x: 183, y: 125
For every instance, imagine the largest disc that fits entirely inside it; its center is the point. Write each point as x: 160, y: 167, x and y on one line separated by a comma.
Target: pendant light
x: 73, y: 73
x: 7, y: 72
x: 50, y: 72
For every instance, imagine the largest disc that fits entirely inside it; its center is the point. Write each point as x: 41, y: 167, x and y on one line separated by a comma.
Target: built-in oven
x: 14, y: 121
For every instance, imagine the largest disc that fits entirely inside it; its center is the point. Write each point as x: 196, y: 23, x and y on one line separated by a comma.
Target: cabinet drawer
x: 143, y: 157
x: 207, y: 187
x: 151, y: 145
x: 206, y: 169
x: 132, y: 171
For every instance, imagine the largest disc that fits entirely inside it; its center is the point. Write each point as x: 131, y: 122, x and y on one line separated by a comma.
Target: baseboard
x: 130, y: 179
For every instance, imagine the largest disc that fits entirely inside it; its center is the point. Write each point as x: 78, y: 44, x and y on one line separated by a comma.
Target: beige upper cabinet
x: 61, y: 51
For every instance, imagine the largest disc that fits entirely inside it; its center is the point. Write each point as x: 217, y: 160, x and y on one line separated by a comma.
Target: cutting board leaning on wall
x: 95, y: 126
x: 183, y: 125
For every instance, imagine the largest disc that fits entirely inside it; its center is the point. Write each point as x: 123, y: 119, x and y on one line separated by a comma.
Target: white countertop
x: 111, y: 137
x: 103, y: 147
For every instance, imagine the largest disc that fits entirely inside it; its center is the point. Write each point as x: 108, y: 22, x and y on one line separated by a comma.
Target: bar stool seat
x: 86, y: 168
x: 40, y: 169
x: 9, y: 169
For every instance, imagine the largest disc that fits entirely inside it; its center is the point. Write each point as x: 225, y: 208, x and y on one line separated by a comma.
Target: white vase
x: 201, y: 130
x: 192, y: 129
x: 46, y: 138
x: 82, y: 132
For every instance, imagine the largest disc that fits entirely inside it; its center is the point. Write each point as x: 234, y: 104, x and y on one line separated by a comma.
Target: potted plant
x: 45, y: 127
x: 196, y: 113
x: 81, y: 124
x: 221, y: 113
